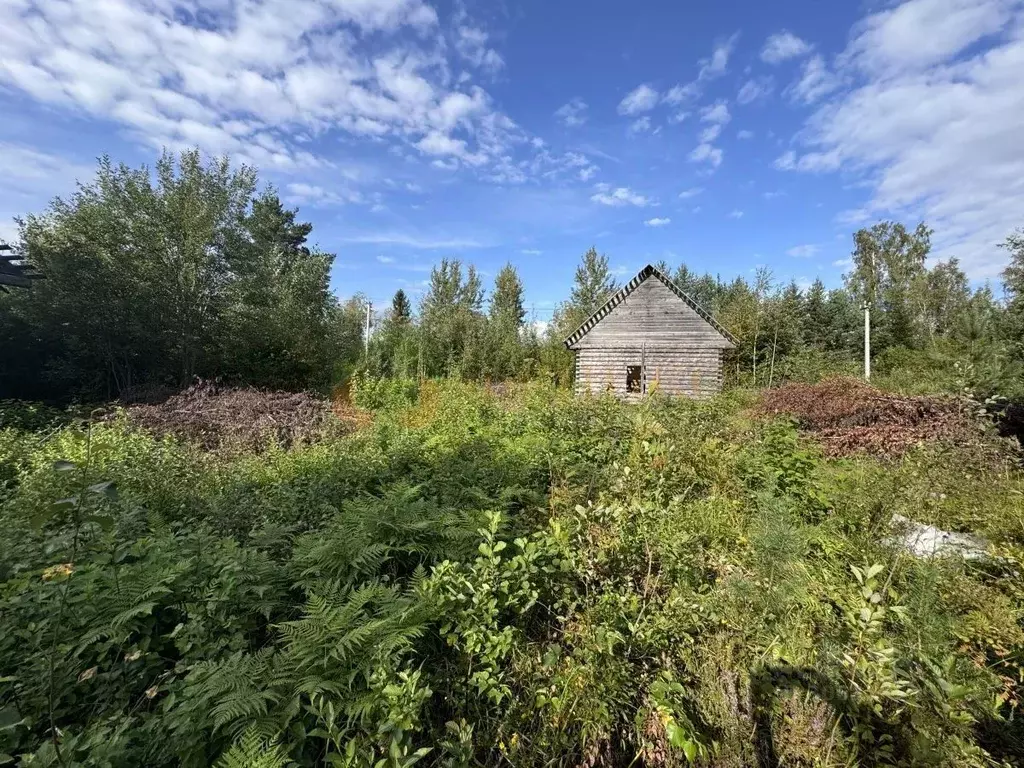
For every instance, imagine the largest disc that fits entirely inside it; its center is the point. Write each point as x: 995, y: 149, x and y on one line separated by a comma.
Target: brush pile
x: 849, y: 416
x: 218, y: 417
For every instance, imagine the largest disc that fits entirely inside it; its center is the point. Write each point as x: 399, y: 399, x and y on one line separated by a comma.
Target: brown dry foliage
x: 219, y: 417
x: 850, y: 416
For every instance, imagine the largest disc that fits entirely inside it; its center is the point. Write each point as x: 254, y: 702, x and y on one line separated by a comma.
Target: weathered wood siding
x: 653, y: 313
x: 652, y: 326
x: 692, y: 371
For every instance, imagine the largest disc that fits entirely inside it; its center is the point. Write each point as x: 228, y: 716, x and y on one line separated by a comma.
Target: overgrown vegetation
x: 156, y: 277
x: 513, y: 579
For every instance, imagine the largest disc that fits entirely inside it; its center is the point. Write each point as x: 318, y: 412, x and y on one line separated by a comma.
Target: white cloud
x: 681, y: 94
x: 710, y: 133
x: 640, y: 125
x: 302, y: 193
x: 678, y: 117
x: 531, y: 252
x: 744, y: 134
x: 573, y: 113
x: 657, y: 222
x: 803, y: 251
x: 706, y: 153
x: 30, y: 171
x: 471, y: 43
x: 252, y: 78
x: 439, y: 143
x: 691, y: 192
x: 414, y: 241
x: 786, y: 161
x: 643, y: 98
x: 736, y: 214
x: 922, y: 33
x: 941, y: 145
x: 815, y: 81
x: 810, y: 162
x: 754, y: 89
x: 386, y: 259
x: 718, y: 62
x: 782, y: 46
x: 619, y: 197
x: 843, y: 262
x: 716, y: 113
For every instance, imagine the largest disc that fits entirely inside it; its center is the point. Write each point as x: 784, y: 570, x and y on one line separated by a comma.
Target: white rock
x: 928, y: 541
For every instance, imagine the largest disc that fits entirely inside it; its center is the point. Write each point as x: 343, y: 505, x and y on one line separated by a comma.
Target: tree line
x: 921, y: 316
x: 154, y: 278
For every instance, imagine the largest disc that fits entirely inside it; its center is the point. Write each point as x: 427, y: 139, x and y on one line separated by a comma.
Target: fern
x: 253, y: 750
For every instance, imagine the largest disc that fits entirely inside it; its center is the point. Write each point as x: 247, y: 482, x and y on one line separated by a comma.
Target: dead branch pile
x: 238, y: 418
x: 849, y: 416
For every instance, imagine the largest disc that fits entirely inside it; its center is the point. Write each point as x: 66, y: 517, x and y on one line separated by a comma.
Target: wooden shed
x: 650, y: 335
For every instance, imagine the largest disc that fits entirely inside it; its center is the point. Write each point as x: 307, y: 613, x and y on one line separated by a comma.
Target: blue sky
x: 727, y: 135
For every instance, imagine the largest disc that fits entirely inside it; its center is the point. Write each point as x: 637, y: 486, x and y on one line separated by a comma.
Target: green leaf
x: 106, y: 488
x: 105, y: 522
x: 690, y: 750
x: 874, y: 570
x: 41, y: 518
x: 858, y: 574
x: 63, y: 466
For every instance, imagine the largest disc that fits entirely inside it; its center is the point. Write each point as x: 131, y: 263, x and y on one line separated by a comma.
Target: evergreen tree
x: 815, y: 320
x: 401, y: 309
x: 1013, y: 286
x: 505, y: 337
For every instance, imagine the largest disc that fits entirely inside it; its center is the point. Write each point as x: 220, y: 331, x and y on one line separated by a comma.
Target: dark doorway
x: 634, y: 378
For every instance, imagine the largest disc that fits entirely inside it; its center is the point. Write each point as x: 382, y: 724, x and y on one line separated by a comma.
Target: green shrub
x: 524, y: 578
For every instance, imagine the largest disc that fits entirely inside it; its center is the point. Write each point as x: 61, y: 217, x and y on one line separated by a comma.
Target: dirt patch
x: 849, y: 416
x: 218, y: 417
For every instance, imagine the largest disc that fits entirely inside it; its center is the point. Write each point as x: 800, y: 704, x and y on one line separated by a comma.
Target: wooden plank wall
x: 681, y: 352
x: 675, y: 370
x: 652, y: 312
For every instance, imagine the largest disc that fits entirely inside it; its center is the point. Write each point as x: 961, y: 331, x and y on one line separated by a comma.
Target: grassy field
x: 504, y: 579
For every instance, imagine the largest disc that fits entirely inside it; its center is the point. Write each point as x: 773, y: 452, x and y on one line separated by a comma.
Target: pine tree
x: 1013, y: 286
x: 507, y: 299
x: 401, y: 309
x: 815, y: 320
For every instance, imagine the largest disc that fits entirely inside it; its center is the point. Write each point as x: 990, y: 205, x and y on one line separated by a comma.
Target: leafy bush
x: 519, y: 578
x: 378, y: 394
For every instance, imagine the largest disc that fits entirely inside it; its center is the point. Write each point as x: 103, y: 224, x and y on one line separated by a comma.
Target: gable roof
x: 619, y: 296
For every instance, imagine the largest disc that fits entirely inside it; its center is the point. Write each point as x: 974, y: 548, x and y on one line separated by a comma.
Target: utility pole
x: 366, y: 340
x: 868, y: 298
x: 867, y: 341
